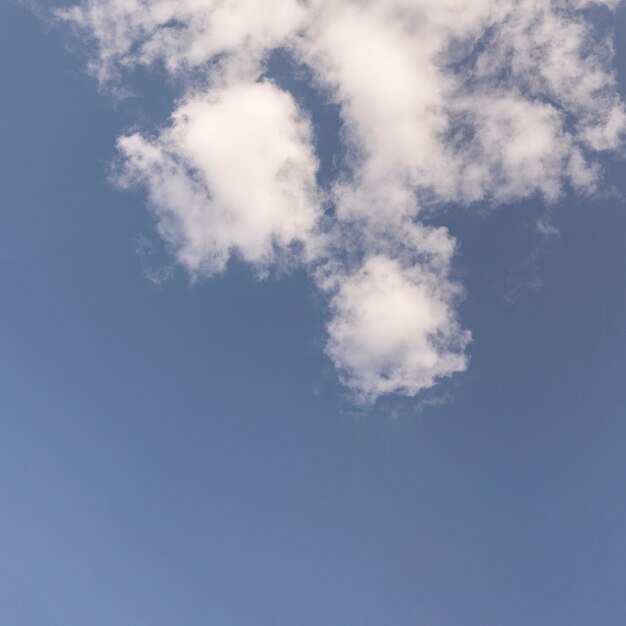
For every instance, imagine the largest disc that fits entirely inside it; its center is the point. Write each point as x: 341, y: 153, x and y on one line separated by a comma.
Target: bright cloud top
x: 486, y: 101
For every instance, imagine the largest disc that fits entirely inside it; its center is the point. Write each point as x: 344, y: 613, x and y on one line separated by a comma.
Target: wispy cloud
x: 481, y: 102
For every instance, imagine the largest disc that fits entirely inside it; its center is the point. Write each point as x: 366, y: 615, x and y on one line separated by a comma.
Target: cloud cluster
x: 442, y: 101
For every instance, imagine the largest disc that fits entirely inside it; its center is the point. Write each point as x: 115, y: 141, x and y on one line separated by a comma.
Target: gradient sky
x: 184, y: 454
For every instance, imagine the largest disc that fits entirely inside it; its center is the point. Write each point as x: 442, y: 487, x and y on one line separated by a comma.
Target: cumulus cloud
x: 442, y: 101
x: 233, y: 173
x: 393, y: 329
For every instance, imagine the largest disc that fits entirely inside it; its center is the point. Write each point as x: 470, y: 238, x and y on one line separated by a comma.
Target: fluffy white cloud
x: 234, y: 173
x: 479, y: 102
x: 393, y: 329
x: 487, y: 100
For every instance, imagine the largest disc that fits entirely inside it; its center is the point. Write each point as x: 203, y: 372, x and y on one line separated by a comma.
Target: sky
x: 312, y: 313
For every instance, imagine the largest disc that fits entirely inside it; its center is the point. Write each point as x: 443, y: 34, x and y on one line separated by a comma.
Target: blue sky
x: 186, y: 453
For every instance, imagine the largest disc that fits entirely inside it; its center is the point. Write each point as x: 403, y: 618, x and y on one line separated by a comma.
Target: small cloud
x: 393, y: 330
x: 155, y: 267
x: 527, y: 277
x: 545, y: 226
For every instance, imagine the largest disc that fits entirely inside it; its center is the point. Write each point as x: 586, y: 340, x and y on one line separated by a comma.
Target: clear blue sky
x: 184, y: 454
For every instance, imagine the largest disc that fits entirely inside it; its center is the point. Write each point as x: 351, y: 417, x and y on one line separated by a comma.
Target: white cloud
x: 234, y: 173
x: 393, y: 329
x: 479, y: 102
x: 183, y: 34
x: 466, y: 101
